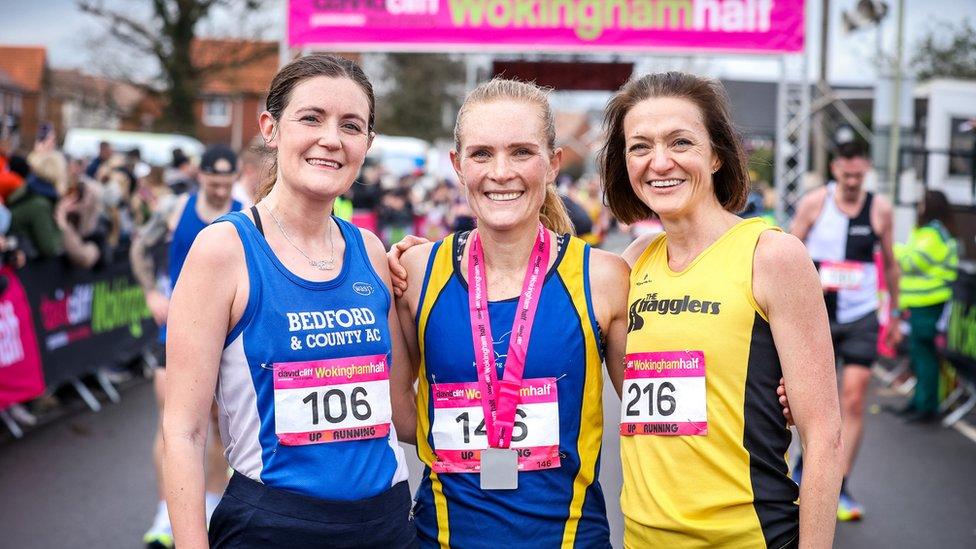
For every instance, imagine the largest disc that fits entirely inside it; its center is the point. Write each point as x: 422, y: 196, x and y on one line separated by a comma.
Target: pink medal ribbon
x: 500, y: 397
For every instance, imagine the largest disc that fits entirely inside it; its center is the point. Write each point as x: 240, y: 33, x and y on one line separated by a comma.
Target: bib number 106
x: 662, y: 399
x: 336, y: 407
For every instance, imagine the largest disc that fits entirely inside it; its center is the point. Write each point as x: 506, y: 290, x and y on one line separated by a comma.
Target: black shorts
x: 856, y: 343
x: 252, y: 514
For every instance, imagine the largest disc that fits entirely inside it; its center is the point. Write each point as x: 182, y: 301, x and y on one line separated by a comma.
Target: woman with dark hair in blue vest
x: 284, y: 314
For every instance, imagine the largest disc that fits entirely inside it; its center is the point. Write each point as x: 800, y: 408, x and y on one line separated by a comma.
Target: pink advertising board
x: 750, y: 26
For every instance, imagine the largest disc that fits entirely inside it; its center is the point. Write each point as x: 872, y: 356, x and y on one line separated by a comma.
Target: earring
x: 274, y: 133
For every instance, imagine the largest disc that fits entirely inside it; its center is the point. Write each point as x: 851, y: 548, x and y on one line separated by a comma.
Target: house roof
x: 7, y: 83
x: 252, y: 75
x: 65, y: 84
x: 25, y: 65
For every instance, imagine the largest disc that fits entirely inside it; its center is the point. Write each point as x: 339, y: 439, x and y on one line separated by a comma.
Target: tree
x: 167, y: 38
x: 419, y: 95
x: 948, y: 51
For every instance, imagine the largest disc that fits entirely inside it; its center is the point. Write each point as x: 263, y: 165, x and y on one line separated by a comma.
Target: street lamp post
x: 887, y: 185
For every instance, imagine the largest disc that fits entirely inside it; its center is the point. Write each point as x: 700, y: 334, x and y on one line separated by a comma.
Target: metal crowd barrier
x: 59, y: 325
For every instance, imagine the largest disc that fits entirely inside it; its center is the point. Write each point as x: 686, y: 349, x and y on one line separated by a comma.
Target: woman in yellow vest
x: 719, y: 309
x: 928, y: 263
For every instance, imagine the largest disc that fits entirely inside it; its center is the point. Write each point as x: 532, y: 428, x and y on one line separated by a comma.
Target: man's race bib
x: 459, y: 426
x: 841, y: 275
x: 664, y: 394
x: 332, y: 400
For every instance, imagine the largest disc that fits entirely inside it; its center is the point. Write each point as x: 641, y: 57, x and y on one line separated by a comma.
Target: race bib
x: 664, y: 394
x: 459, y: 426
x: 332, y: 400
x: 841, y: 275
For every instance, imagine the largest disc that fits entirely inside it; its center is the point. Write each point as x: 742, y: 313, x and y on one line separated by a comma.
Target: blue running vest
x: 267, y: 333
x: 555, y: 507
x: 187, y: 229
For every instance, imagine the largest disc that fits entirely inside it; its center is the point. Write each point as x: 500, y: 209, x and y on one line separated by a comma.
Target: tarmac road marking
x: 966, y: 429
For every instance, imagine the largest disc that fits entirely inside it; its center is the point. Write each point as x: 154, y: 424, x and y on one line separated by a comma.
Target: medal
x: 500, y: 397
x: 499, y: 469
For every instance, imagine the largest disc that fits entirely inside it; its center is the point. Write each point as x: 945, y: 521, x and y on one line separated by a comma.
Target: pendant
x: 323, y: 265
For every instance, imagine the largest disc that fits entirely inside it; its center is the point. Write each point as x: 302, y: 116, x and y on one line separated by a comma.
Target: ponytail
x: 554, y: 215
x: 268, y: 181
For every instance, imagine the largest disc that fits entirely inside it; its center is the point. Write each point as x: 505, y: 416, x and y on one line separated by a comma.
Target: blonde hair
x: 52, y: 167
x: 553, y: 214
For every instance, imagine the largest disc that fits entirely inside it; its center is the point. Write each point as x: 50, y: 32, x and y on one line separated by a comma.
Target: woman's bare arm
x: 788, y: 289
x: 610, y: 284
x: 200, y: 315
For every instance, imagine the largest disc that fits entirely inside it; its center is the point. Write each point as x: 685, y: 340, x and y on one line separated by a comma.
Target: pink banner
x: 756, y: 26
x: 317, y: 373
x: 665, y: 364
x: 335, y: 435
x: 469, y: 461
x: 663, y: 428
x: 465, y: 395
x: 21, y: 377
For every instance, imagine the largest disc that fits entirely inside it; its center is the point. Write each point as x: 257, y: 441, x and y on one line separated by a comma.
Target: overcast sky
x: 67, y: 33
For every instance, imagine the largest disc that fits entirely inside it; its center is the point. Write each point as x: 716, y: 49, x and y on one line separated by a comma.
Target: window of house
x: 962, y: 139
x: 216, y: 112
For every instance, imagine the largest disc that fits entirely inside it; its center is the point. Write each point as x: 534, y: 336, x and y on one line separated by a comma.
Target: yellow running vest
x: 711, y: 470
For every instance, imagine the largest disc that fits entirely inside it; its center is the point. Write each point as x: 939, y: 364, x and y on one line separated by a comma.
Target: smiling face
x: 670, y: 160
x: 504, y: 162
x: 321, y: 137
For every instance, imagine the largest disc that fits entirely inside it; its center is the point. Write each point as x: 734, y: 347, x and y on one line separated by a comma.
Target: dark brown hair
x: 731, y: 181
x: 296, y: 72
x: 936, y: 208
x: 849, y: 150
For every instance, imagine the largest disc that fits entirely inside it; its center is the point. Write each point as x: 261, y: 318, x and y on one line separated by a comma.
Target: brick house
x: 231, y: 99
x: 82, y: 100
x: 11, y: 104
x: 26, y: 68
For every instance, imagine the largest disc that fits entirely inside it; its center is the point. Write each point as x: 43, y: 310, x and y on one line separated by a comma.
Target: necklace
x: 321, y: 264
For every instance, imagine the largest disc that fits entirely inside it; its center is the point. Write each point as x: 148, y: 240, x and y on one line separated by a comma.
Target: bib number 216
x: 664, y: 399
x: 664, y: 394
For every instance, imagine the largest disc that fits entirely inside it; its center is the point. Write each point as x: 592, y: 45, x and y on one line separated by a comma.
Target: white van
x: 154, y: 148
x: 399, y: 155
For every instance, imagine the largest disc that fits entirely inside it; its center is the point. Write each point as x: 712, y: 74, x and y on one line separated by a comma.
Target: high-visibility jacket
x: 342, y: 208
x: 928, y: 264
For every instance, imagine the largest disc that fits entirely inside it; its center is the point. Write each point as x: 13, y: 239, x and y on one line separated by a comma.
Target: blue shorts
x: 254, y: 515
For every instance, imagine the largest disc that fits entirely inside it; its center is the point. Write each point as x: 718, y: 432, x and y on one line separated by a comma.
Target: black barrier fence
x: 961, y: 334
x: 86, y: 320
x: 59, y: 325
x: 961, y: 337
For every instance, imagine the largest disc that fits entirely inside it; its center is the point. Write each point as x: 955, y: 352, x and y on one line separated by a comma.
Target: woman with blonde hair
x: 507, y: 340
